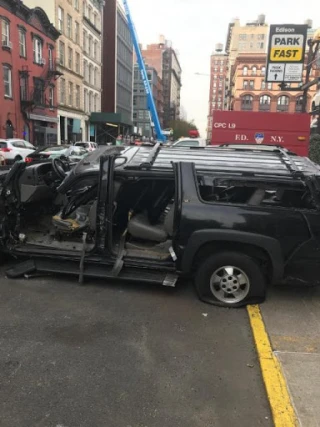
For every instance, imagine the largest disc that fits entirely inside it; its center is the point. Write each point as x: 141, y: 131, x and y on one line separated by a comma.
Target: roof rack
x: 266, y: 163
x: 151, y: 158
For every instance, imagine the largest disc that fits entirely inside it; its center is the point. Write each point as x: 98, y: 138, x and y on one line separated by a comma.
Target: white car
x: 190, y: 142
x: 14, y: 150
x: 89, y: 146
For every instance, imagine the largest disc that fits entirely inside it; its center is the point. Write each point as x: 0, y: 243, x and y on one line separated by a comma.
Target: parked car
x: 89, y: 146
x: 232, y: 220
x: 47, y: 153
x: 190, y: 142
x: 14, y: 150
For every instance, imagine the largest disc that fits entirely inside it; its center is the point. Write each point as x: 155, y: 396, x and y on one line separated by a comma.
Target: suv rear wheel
x: 230, y: 279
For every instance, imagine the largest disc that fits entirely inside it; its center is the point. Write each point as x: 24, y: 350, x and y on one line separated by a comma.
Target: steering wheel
x: 60, y: 167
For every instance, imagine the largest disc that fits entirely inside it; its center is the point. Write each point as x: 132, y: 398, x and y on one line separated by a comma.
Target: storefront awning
x: 43, y: 118
x: 114, y: 118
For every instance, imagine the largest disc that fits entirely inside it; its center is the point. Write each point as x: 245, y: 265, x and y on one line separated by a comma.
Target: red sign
x: 291, y: 131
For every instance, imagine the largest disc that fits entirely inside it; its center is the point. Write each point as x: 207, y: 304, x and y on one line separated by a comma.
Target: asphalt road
x: 124, y: 356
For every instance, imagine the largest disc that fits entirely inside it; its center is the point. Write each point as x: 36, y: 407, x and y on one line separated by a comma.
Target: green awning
x: 114, y: 118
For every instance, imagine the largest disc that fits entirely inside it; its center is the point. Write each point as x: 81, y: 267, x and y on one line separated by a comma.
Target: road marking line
x: 281, y: 406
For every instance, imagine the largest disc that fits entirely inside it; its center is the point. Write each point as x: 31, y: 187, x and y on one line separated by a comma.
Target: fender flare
x: 202, y: 237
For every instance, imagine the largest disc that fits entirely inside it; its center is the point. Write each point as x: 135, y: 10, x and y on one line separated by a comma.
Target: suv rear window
x: 81, y: 144
x: 3, y: 144
x: 255, y: 194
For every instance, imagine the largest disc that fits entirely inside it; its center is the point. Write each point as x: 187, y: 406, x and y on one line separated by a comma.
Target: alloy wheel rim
x: 229, y: 284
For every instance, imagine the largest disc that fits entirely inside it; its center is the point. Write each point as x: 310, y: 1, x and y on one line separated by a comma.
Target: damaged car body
x: 233, y: 220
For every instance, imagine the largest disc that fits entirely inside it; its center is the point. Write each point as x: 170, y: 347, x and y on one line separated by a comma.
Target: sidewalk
x: 292, y: 319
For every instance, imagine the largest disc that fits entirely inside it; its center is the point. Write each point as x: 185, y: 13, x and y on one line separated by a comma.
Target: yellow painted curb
x: 281, y: 406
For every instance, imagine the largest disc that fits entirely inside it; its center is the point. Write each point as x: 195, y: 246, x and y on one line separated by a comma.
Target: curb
x: 277, y: 391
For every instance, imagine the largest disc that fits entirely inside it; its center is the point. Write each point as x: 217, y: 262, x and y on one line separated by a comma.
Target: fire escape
x: 34, y: 96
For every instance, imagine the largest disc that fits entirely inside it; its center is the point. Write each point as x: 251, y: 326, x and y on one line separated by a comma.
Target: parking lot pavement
x: 124, y: 356
x: 292, y: 319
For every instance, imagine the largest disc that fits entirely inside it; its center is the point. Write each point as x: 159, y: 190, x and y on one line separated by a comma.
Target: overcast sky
x: 195, y: 26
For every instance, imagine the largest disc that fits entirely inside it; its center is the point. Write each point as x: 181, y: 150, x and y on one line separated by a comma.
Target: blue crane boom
x: 144, y: 75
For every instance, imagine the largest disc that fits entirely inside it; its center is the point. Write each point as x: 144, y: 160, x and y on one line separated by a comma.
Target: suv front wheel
x: 230, y: 279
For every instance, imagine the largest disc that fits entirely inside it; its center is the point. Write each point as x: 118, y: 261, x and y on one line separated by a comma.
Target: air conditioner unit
x: 42, y: 61
x: 7, y: 43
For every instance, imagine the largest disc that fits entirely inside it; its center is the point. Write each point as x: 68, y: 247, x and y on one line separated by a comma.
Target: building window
x: 90, y: 13
x: 251, y: 84
x: 299, y: 102
x: 95, y: 50
x: 61, y: 53
x: 51, y: 97
x: 85, y: 41
x: 95, y: 76
x: 260, y: 36
x: 7, y: 78
x: 247, y: 102
x: 23, y: 88
x: 37, y: 51
x: 22, y: 43
x: 269, y: 86
x: 254, y: 71
x: 70, y: 58
x: 90, y: 101
x: 90, y: 74
x: 62, y: 91
x: 95, y: 106
x: 90, y: 46
x: 245, y: 84
x: 76, y: 5
x: 60, y: 19
x: 77, y: 96
x: 69, y: 26
x: 70, y: 94
x: 95, y: 19
x: 264, y: 102
x: 85, y: 70
x: 242, y: 45
x: 84, y: 7
x: 245, y: 71
x: 5, y: 33
x: 77, y: 32
x: 263, y: 84
x: 38, y: 95
x: 85, y: 99
x: 283, y: 103
x: 242, y: 37
x: 50, y: 57
x: 263, y: 71
x: 260, y: 45
x: 77, y: 63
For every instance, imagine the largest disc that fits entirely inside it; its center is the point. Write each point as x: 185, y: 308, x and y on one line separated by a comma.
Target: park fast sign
x: 285, y: 59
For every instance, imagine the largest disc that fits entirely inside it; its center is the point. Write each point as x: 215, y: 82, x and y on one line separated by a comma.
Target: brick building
x: 164, y: 59
x: 218, y: 84
x: 250, y: 92
x: 28, y: 74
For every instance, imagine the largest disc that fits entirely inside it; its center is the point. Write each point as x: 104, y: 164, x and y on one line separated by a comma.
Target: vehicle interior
x: 56, y: 212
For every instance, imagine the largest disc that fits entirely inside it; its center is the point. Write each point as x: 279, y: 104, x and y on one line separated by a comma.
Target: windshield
x: 51, y: 149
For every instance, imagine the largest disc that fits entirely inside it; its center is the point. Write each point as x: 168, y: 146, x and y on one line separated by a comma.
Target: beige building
x: 79, y: 59
x: 92, y: 24
x: 250, y: 38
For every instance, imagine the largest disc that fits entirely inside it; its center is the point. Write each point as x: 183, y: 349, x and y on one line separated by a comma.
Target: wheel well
x: 253, y: 251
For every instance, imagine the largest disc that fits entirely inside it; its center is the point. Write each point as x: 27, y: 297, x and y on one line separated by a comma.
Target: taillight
x: 28, y: 160
x: 5, y: 150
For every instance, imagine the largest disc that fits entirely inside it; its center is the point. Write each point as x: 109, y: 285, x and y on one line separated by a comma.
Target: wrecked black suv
x: 233, y: 220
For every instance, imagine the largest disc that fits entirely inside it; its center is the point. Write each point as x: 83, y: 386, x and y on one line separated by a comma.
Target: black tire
x: 17, y: 159
x: 254, y: 293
